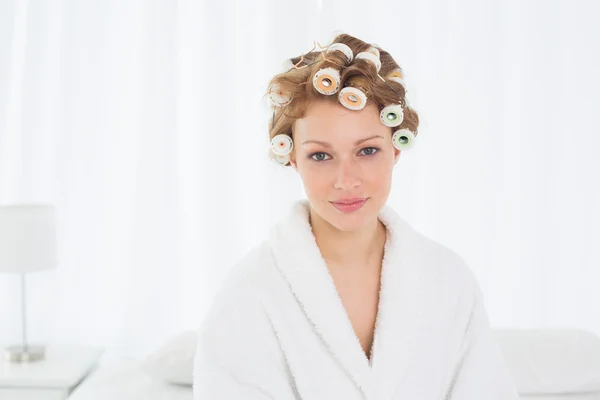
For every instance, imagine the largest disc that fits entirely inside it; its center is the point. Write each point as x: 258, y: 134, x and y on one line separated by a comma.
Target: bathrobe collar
x: 402, y: 299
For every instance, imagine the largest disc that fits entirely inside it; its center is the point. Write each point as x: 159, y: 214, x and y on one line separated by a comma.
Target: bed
x: 127, y: 380
x: 581, y: 396
x: 547, y: 364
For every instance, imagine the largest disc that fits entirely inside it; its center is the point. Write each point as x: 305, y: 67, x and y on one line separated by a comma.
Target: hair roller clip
x: 392, y: 115
x: 282, y: 145
x: 353, y: 98
x: 281, y: 160
x: 287, y: 65
x: 313, y: 61
x: 277, y: 96
x: 365, y: 55
x: 327, y: 81
x: 403, y: 139
x: 343, y: 48
x: 397, y: 76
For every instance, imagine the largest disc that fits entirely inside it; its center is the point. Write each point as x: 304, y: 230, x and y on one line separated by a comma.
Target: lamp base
x: 21, y: 354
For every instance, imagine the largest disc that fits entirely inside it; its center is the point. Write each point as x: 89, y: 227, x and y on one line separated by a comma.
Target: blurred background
x: 144, y: 123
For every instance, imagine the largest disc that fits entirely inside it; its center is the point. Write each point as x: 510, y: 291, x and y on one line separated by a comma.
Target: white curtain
x: 143, y: 122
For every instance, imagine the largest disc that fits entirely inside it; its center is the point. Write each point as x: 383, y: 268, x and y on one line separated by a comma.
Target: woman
x: 345, y: 300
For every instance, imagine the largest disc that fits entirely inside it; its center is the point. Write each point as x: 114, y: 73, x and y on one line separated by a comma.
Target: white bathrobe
x: 278, y: 329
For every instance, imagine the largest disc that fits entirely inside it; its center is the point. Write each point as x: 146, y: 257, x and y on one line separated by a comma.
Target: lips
x: 349, y: 205
x: 350, y: 201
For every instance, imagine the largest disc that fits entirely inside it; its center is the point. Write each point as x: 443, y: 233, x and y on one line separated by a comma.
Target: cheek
x: 379, y: 172
x: 314, y: 176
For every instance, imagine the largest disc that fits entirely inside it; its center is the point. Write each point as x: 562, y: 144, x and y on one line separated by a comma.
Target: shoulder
x: 236, y: 322
x: 454, y: 293
x: 433, y: 259
x: 240, y: 290
x: 237, y: 336
x: 445, y: 265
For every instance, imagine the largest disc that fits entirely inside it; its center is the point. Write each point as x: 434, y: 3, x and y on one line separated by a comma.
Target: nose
x: 347, y: 175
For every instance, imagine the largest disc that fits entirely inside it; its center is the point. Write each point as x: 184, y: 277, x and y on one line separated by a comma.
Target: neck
x: 354, y: 249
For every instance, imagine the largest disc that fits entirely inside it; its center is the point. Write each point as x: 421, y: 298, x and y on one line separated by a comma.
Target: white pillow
x: 551, y: 360
x: 173, y: 361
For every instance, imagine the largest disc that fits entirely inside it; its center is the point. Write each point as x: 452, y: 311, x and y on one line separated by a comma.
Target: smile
x: 350, y: 207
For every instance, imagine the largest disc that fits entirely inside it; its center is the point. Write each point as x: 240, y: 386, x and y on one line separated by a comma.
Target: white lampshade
x: 27, y: 238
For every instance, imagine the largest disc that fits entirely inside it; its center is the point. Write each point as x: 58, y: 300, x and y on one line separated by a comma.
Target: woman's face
x: 344, y: 154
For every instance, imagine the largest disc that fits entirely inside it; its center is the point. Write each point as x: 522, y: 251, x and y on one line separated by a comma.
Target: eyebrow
x: 329, y: 146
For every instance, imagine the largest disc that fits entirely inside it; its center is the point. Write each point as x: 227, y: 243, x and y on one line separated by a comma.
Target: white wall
x: 143, y: 122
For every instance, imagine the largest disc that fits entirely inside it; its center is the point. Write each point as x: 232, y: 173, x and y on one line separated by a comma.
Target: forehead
x: 334, y: 123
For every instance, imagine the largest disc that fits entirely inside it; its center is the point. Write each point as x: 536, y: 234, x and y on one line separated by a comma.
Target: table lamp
x: 27, y: 244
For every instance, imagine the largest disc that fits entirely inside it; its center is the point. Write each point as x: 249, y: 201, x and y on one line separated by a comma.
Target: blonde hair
x: 297, y: 83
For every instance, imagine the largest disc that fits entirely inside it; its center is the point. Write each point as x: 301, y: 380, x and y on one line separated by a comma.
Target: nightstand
x: 53, y: 378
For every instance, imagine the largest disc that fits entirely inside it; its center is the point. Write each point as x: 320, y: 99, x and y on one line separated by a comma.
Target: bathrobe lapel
x: 402, y: 300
